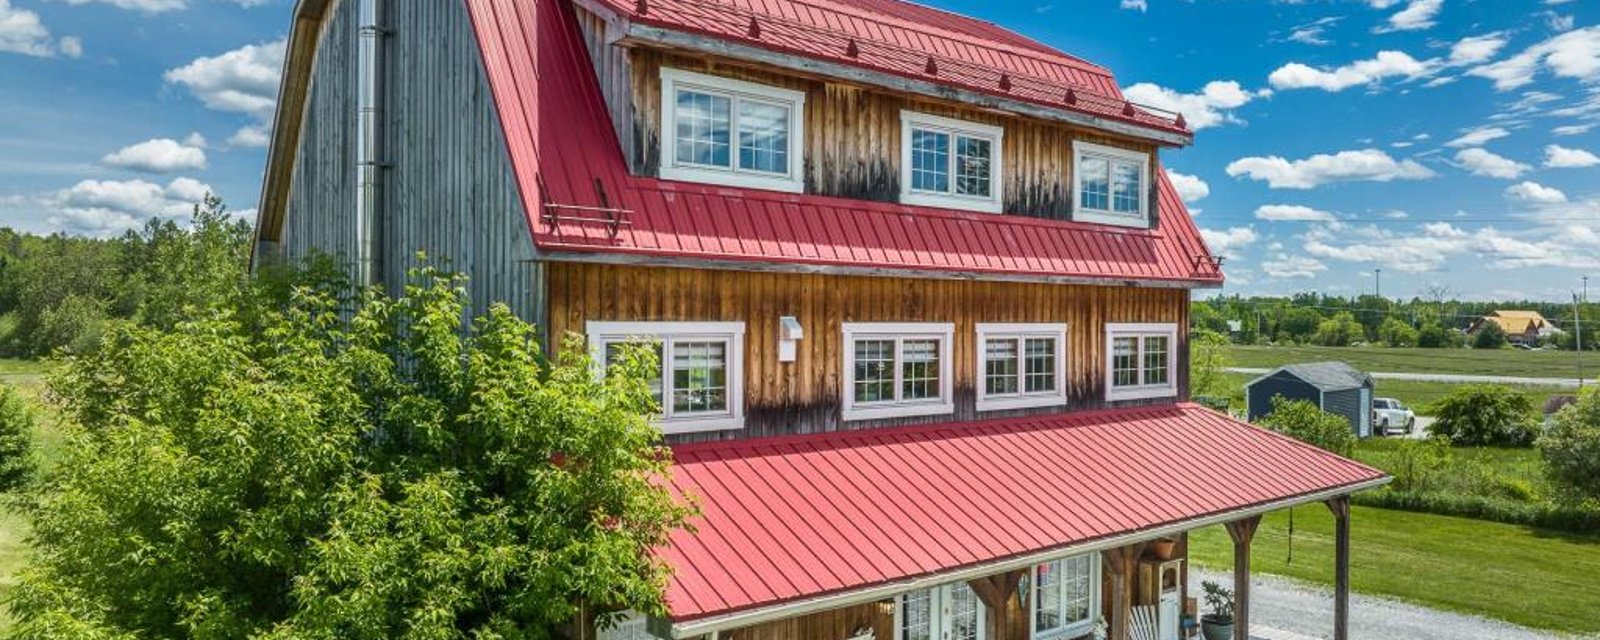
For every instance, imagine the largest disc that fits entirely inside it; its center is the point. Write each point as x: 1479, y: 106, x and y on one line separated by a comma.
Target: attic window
x: 1111, y: 185
x: 730, y: 132
x: 949, y: 163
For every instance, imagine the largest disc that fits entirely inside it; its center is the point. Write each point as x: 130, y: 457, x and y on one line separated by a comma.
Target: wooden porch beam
x: 995, y: 592
x: 1340, y: 506
x: 1242, y: 532
x: 1120, y: 562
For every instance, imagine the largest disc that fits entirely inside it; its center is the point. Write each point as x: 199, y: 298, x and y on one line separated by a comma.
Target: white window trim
x: 1022, y: 399
x: 996, y: 136
x: 792, y: 182
x: 940, y: 613
x: 602, y: 333
x: 1142, y: 391
x: 1107, y: 216
x: 1071, y: 631
x: 943, y: 332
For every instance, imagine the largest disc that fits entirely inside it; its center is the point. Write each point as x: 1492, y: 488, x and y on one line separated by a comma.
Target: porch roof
x: 798, y: 519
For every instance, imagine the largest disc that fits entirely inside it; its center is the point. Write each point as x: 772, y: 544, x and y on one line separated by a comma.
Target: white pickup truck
x: 1389, y: 417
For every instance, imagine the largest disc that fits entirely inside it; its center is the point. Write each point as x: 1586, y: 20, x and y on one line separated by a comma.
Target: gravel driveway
x: 1281, y: 605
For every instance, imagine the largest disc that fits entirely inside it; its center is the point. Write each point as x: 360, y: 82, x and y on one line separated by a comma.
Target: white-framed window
x: 1065, y: 598
x: 731, y: 132
x: 1110, y: 185
x: 1021, y: 366
x: 700, y: 386
x: 1141, y: 361
x: 894, y: 370
x: 950, y: 163
x: 946, y: 612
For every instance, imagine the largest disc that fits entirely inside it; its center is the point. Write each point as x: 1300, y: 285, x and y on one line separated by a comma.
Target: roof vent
x: 755, y: 28
x: 1072, y: 97
x: 1005, y: 82
x: 933, y: 67
x: 642, y: 7
x: 852, y: 50
x: 1128, y: 110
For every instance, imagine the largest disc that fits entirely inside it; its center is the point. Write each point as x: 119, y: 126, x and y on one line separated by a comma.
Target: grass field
x: 1419, y: 395
x: 1528, y: 577
x: 1501, y: 362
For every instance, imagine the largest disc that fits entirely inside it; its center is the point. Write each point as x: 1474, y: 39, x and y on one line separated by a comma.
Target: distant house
x: 1521, y: 327
x: 1336, y: 387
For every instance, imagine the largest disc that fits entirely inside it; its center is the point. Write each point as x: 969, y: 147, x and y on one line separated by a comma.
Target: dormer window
x: 730, y: 132
x: 1112, y: 185
x: 949, y: 163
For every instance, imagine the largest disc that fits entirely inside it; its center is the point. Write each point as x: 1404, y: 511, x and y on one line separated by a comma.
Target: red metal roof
x: 565, y: 154
x: 790, y: 518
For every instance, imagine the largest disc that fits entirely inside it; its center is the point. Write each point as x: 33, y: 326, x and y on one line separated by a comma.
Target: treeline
x: 62, y: 292
x: 1311, y: 318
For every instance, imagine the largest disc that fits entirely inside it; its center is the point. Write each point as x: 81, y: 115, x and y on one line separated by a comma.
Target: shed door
x: 1365, y: 408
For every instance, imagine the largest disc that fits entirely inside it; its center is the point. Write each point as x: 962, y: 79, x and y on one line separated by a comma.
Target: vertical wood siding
x: 804, y: 396
x: 449, y: 191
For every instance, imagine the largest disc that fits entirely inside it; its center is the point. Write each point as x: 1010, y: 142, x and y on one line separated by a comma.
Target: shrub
x: 1489, y: 336
x: 1396, y: 333
x: 1569, y: 518
x: 1303, y: 421
x: 1341, y: 330
x: 1433, y: 336
x: 16, y: 440
x: 1415, y: 463
x: 1486, y: 415
x: 1571, y: 449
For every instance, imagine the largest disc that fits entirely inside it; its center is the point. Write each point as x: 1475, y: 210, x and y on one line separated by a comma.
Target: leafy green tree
x: 1396, y: 333
x: 1208, y: 362
x: 321, y: 472
x: 1342, y: 330
x: 16, y: 440
x: 1486, y: 415
x: 1433, y: 336
x: 1207, y: 317
x: 1571, y: 448
x: 1297, y: 324
x: 198, y: 267
x: 1304, y: 421
x: 1489, y: 336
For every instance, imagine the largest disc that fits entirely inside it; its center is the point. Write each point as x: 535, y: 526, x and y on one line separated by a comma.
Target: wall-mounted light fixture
x: 789, y: 332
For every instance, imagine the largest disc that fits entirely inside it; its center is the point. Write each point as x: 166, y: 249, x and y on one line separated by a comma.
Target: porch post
x: 1121, y: 561
x: 1242, y: 532
x: 1341, y: 563
x: 995, y: 593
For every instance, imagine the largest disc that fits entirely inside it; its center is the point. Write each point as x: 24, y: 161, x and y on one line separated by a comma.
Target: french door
x: 946, y: 612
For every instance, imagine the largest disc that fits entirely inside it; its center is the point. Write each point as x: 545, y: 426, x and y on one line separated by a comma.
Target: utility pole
x: 1577, y: 327
x: 1377, y: 284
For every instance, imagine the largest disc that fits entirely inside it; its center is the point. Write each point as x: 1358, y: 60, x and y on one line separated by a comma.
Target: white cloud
x: 1482, y: 162
x: 103, y: 207
x: 21, y: 31
x: 160, y: 155
x: 1535, y: 193
x: 1286, y: 266
x: 1475, y: 49
x: 1572, y: 129
x: 146, y: 6
x: 1478, y: 137
x: 1209, y: 108
x: 1574, y: 54
x: 1419, y: 14
x: 1293, y: 213
x: 1559, y: 157
x: 244, y: 80
x: 250, y: 136
x: 194, y: 139
x: 1228, y: 242
x: 1312, y: 33
x: 1190, y: 188
x: 1425, y: 248
x: 1387, y: 64
x: 1368, y: 165
x: 1135, y: 5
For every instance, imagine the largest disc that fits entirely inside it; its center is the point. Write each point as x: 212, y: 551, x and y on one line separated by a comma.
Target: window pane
x: 1124, y: 362
x: 1041, y: 365
x: 874, y: 370
x: 763, y: 137
x: 965, y: 611
x: 972, y: 166
x: 1127, y: 188
x: 614, y: 354
x: 1000, y: 367
x: 1155, y: 360
x: 703, y: 122
x: 1095, y: 183
x: 930, y: 161
x: 1047, y: 597
x: 919, y: 370
x: 916, y: 615
x: 699, y: 377
x: 1076, y: 574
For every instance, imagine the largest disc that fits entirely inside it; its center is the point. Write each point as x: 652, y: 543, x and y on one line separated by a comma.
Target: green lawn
x: 1419, y: 395
x: 1528, y: 577
x: 1501, y: 362
x: 28, y: 378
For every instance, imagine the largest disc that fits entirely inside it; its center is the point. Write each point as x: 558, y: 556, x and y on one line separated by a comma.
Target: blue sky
x: 1446, y: 142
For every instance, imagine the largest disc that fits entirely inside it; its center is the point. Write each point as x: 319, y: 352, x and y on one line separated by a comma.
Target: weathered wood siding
x: 852, y: 137
x: 449, y: 191
x: 804, y: 396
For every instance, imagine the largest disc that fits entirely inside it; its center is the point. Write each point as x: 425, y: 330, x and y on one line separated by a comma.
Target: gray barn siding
x: 1347, y: 404
x: 1259, y: 395
x: 449, y: 191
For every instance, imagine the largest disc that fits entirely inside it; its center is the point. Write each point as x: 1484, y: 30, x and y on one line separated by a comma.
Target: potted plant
x: 1218, y: 624
x: 1163, y: 548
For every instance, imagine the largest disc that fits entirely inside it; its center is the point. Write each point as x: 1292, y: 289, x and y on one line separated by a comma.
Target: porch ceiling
x: 827, y: 517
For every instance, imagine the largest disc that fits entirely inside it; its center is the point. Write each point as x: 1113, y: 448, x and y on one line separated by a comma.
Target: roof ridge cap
x: 1024, y: 51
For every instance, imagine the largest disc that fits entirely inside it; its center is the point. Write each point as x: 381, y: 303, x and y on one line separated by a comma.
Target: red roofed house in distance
x: 920, y: 286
